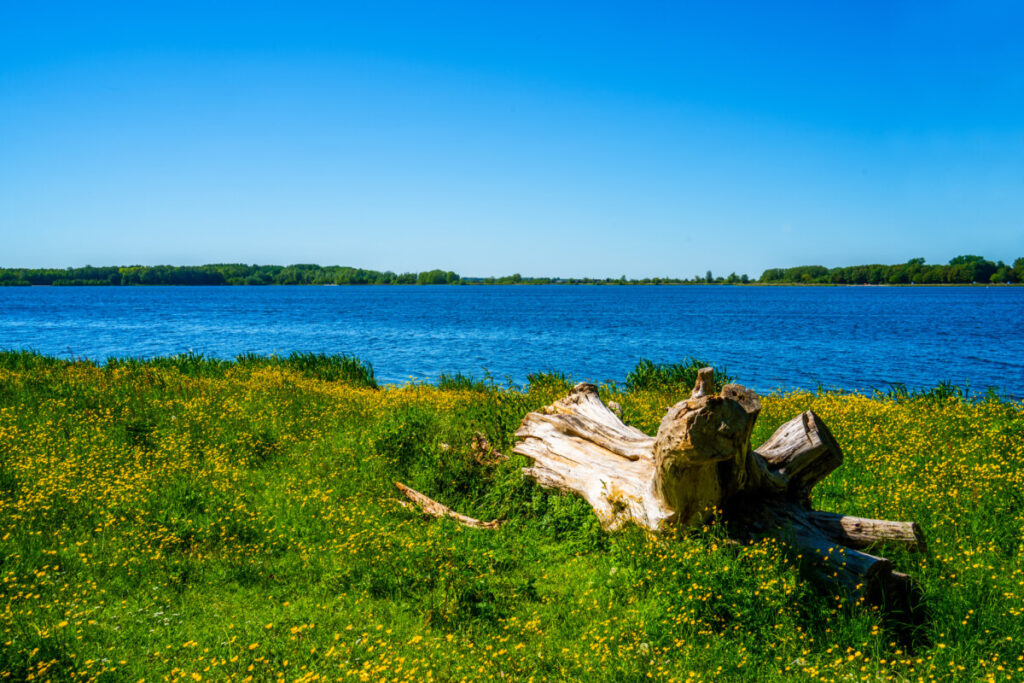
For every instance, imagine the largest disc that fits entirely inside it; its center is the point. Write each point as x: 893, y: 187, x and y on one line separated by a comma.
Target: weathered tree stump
x: 700, y: 461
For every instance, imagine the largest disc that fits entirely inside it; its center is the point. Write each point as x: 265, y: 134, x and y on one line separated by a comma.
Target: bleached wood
x: 705, y: 385
x: 435, y: 509
x: 612, y: 471
x: 701, y: 460
x: 861, y: 532
x: 578, y: 444
x: 701, y: 451
x: 802, y: 451
x: 582, y: 413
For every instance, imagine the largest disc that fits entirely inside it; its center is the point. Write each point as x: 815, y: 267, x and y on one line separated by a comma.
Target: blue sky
x: 645, y: 139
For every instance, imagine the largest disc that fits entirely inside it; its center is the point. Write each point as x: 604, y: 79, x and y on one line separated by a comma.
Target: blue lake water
x: 853, y: 338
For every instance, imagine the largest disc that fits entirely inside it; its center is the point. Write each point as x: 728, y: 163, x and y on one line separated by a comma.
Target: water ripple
x: 769, y: 337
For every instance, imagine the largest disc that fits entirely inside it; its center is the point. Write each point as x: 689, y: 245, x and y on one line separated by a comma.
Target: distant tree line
x: 965, y: 269
x: 221, y: 274
x: 299, y: 274
x: 960, y: 270
x: 517, y: 279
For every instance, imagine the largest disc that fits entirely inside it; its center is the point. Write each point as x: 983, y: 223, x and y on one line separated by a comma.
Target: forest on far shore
x: 965, y: 269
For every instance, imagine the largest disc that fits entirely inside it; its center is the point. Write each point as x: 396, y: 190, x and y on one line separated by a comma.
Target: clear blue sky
x: 544, y: 138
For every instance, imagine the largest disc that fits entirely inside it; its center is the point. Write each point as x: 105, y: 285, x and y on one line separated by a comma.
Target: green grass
x: 188, y: 517
x: 461, y: 382
x: 330, y: 368
x: 647, y: 375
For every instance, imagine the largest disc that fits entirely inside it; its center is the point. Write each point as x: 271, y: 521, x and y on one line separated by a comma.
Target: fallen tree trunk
x: 701, y: 461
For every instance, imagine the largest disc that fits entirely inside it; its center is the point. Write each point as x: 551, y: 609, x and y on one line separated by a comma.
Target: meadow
x: 188, y: 519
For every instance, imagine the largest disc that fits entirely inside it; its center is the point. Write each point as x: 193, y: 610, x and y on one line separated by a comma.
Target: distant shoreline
x: 961, y: 270
x: 556, y: 283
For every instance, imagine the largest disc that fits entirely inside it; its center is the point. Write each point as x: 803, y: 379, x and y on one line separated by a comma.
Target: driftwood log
x: 701, y: 461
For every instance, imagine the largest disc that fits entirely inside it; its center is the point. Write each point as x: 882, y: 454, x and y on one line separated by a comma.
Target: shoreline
x: 344, y: 369
x: 560, y: 284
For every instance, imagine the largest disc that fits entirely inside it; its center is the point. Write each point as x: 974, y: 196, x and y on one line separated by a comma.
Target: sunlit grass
x: 183, y: 521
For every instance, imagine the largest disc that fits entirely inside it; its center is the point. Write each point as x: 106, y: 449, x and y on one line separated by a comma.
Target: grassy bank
x: 189, y: 520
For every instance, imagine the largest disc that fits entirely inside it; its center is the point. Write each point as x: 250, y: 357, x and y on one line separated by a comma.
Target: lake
x: 851, y: 338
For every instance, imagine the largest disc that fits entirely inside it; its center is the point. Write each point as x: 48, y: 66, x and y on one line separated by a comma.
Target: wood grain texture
x: 700, y: 461
x: 861, y: 532
x: 802, y: 451
x: 578, y: 444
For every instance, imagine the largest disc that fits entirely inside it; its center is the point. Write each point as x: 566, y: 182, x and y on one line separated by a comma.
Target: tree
x: 899, y: 277
x: 914, y: 268
x: 970, y: 268
x: 1001, y: 275
x: 931, y: 275
x: 431, y: 277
